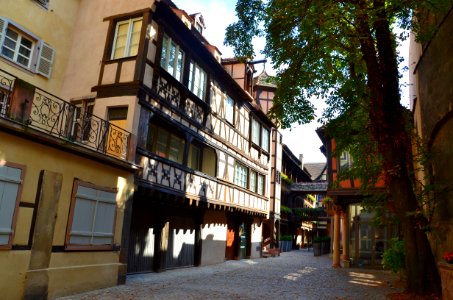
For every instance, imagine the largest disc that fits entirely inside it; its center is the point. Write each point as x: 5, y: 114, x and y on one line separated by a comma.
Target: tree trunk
x: 388, y: 126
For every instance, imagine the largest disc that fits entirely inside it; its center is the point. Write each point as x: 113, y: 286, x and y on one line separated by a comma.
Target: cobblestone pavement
x: 292, y: 275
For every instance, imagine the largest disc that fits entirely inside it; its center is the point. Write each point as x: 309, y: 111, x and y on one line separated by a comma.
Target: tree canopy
x: 345, y: 52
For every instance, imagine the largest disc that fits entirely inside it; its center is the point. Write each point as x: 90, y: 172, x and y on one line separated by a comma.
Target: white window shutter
x: 45, y: 60
x: 3, y: 26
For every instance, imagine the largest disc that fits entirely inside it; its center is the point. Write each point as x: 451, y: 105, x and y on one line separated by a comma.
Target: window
x: 256, y: 132
x: 127, y: 38
x: 260, y: 184
x: 82, y: 124
x: 265, y: 139
x: 260, y: 135
x: 11, y: 177
x: 240, y: 175
x: 92, y: 217
x: 194, y: 161
x: 165, y: 144
x: 172, y: 58
x: 345, y: 161
x: 17, y: 48
x: 197, y: 80
x: 229, y: 110
x: 253, y: 181
x: 43, y: 3
x: 25, y: 49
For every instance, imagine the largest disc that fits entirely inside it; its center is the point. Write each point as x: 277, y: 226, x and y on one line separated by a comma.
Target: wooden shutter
x: 94, y: 217
x: 45, y: 60
x: 10, y: 179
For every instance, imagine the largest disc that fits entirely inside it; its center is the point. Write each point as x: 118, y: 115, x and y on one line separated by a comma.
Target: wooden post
x: 345, y: 236
x: 37, y: 278
x: 336, y: 239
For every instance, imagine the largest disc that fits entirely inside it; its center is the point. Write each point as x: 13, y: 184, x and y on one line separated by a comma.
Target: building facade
x: 431, y: 105
x: 65, y: 175
x: 356, y: 240
x: 208, y: 157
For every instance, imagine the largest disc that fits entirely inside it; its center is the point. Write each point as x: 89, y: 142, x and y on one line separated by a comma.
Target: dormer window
x: 198, y: 22
x: 198, y: 27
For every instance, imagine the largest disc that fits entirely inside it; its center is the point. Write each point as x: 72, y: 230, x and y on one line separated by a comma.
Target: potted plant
x: 448, y: 256
x: 317, y: 246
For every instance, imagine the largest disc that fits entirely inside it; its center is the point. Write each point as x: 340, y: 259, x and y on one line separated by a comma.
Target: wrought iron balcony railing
x: 56, y: 117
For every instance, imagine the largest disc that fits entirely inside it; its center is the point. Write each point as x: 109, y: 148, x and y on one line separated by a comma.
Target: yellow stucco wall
x: 53, y: 25
x: 13, y: 266
x: 78, y: 268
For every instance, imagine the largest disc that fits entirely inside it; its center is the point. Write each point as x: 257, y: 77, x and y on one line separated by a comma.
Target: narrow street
x: 292, y: 275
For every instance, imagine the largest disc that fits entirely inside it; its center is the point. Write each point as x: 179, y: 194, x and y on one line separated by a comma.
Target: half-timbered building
x: 208, y: 155
x: 357, y: 240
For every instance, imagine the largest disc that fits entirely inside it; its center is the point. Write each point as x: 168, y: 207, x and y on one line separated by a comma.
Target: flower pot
x: 317, y: 248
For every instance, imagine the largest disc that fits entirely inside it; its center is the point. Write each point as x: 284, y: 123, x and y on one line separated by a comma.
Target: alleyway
x: 293, y: 275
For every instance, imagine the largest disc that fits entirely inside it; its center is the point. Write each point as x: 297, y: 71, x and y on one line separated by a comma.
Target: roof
x: 319, y: 186
x: 315, y: 169
x: 265, y: 79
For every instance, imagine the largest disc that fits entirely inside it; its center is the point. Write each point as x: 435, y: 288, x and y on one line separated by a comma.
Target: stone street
x: 292, y: 275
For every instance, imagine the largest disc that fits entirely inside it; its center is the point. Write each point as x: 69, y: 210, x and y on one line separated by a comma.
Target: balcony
x: 32, y: 107
x: 175, y: 179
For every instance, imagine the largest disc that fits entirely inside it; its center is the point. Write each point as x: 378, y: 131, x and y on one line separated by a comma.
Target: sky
x: 218, y: 14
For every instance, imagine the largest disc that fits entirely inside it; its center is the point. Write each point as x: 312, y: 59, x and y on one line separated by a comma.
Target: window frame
x: 197, y: 87
x: 42, y: 55
x: 344, y: 156
x: 229, y: 116
x: 260, y: 137
x: 263, y: 187
x: 254, y: 181
x: 18, y: 45
x: 70, y: 223
x: 190, y: 156
x: 22, y: 169
x: 166, y: 44
x: 170, y: 135
x: 129, y: 35
x: 236, y: 180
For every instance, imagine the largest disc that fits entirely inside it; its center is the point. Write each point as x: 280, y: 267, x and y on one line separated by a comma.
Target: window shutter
x: 45, y: 60
x: 3, y: 26
x: 10, y: 178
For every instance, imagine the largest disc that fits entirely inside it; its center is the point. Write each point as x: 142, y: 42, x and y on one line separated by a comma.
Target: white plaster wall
x: 257, y: 233
x: 213, y: 234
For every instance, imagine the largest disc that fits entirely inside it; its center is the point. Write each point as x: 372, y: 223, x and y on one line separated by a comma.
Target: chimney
x: 301, y: 158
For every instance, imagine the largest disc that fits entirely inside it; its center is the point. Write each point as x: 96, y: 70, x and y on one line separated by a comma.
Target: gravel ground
x: 292, y: 275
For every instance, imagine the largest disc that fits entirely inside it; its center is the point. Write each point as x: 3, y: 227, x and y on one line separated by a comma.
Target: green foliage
x: 321, y: 239
x: 286, y: 178
x: 286, y: 238
x: 310, y: 213
x: 394, y: 257
x: 285, y: 209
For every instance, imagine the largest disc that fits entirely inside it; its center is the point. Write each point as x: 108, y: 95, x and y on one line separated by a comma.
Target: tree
x: 345, y: 53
